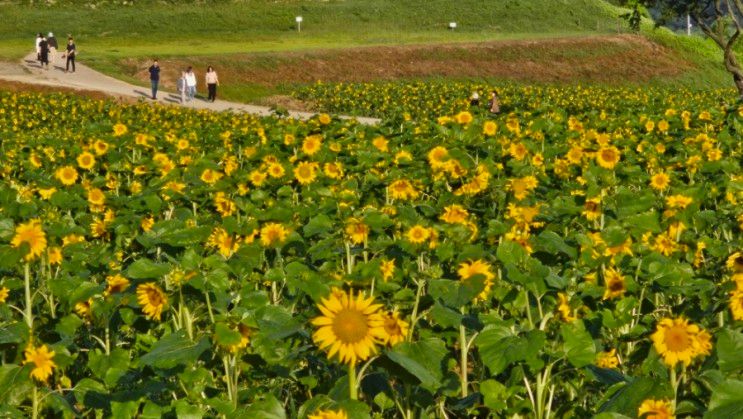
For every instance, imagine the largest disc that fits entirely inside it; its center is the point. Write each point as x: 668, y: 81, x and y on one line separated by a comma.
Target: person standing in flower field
x: 190, y: 83
x: 71, y: 53
x: 51, y: 40
x: 154, y: 78
x: 212, y: 81
x: 494, y: 104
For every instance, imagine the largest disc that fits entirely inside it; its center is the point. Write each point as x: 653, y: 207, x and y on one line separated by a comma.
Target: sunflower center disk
x: 677, y: 340
x: 350, y: 326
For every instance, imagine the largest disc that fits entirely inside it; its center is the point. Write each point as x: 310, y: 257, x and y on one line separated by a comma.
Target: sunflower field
x: 579, y: 255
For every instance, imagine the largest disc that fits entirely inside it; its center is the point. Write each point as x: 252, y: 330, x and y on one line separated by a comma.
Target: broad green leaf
x: 424, y: 359
x: 15, y: 383
x: 629, y: 397
x: 726, y: 401
x: 147, y: 269
x: 174, y: 349
x: 270, y: 408
x: 729, y: 348
x: 579, y: 347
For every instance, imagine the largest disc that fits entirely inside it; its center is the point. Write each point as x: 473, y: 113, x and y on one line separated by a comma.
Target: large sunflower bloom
x: 349, y: 327
x: 42, y: 359
x: 33, y: 235
x: 152, y: 299
x: 655, y: 409
x: 677, y: 341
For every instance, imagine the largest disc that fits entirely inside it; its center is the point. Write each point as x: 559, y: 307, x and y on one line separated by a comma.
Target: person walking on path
x: 71, y: 53
x: 212, y: 81
x: 190, y: 83
x: 154, y: 78
x: 44, y: 53
x: 53, y: 46
x: 38, y: 49
x: 181, y: 86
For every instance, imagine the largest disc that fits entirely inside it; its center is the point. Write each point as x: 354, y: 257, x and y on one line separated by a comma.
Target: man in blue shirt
x: 154, y: 78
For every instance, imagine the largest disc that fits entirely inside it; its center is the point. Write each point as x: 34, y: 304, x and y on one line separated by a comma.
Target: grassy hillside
x: 185, y: 28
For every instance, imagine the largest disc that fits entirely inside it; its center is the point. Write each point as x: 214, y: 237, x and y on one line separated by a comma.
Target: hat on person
x: 51, y: 34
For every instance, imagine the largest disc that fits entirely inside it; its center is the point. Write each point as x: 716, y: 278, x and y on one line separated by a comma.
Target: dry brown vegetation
x: 599, y: 59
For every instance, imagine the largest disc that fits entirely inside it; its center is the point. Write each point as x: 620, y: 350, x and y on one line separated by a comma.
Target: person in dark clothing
x: 51, y: 40
x: 71, y: 53
x: 154, y: 78
x: 44, y: 53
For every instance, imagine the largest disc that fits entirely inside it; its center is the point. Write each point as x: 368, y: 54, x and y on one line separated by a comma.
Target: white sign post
x: 299, y: 23
x: 452, y: 25
x: 688, y: 25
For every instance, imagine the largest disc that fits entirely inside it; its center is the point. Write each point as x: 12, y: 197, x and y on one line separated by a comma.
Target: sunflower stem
x: 674, y: 385
x: 27, y: 282
x: 209, y: 307
x: 35, y: 404
x: 353, y: 389
x: 463, y: 357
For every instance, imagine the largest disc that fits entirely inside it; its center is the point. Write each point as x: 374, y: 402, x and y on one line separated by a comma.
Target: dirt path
x: 85, y: 78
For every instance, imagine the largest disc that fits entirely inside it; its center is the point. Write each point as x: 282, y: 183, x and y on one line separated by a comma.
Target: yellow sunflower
x: 333, y: 170
x: 349, y: 327
x: 566, y: 312
x: 735, y: 262
x: 607, y: 359
x: 477, y: 267
x: 312, y: 144
x: 152, y: 299
x: 418, y: 234
x: 86, y: 160
x: 522, y: 186
x: 678, y: 201
x: 115, y: 284
x: 380, y: 143
x: 4, y: 292
x: 676, y: 341
x: 324, y: 119
x: 120, y: 129
x: 608, y: 157
x: 614, y: 283
x: 736, y: 304
x: 100, y: 147
x: 55, y: 255
x: 33, y: 235
x: 257, y: 177
x: 273, y: 234
x: 328, y: 414
x: 276, y: 170
x: 463, y: 118
x: 224, y: 242
x: 660, y: 181
x: 96, y: 197
x: 43, y: 361
x: 356, y: 230
x: 388, y: 269
x: 489, y: 128
x: 210, y: 176
x: 655, y: 409
x: 592, y: 208
x: 305, y: 172
x: 402, y: 189
x: 396, y: 328
x: 454, y: 214
x: 67, y: 175
x: 437, y: 157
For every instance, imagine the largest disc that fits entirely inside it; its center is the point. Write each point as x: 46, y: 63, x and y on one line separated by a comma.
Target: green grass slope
x: 188, y: 28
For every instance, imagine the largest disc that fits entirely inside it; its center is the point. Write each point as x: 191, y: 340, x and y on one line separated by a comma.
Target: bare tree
x: 720, y: 20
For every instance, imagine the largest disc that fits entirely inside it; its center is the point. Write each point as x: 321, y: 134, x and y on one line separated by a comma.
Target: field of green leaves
x: 579, y: 254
